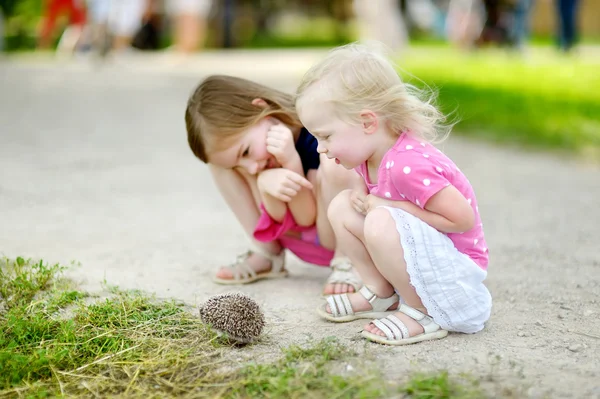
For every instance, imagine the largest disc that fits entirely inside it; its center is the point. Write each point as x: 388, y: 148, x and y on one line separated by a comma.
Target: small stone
x: 560, y: 316
x: 349, y: 367
x: 588, y: 313
x: 520, y: 334
x: 565, y: 307
x: 519, y: 327
x: 575, y: 347
x: 539, y: 324
x: 455, y: 349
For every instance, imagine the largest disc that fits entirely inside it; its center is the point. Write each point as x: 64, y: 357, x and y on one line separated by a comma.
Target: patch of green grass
x: 131, y: 345
x: 541, y: 100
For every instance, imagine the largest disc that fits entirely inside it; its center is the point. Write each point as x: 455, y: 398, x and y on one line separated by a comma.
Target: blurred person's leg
x: 125, y: 18
x: 73, y: 34
x: 520, y: 28
x: 50, y: 13
x: 567, y: 11
x: 382, y: 21
x: 190, y: 23
x: 98, y: 12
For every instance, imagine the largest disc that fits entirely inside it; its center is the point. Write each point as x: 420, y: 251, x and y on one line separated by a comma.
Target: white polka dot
x: 406, y: 170
x: 403, y: 196
x: 426, y: 182
x: 423, y: 144
x: 409, y: 147
x: 418, y: 203
x: 485, y: 249
x: 387, y: 165
x: 475, y: 241
x: 391, y: 164
x: 425, y: 156
x: 440, y: 170
x: 469, y: 201
x: 388, y: 195
x: 446, y: 184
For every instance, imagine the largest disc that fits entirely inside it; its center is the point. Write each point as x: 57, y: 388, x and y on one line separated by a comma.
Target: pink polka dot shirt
x: 413, y: 170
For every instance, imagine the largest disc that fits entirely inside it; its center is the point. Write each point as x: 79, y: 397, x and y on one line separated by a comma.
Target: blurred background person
x: 464, y: 22
x: 381, y: 20
x: 520, y: 25
x: 189, y: 23
x: 51, y: 11
x: 124, y: 21
x: 567, y: 23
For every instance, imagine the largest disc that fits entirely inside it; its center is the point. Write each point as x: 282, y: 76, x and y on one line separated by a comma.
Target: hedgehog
x: 235, y: 315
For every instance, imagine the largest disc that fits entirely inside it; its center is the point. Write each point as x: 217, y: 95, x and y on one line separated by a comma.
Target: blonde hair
x: 221, y: 108
x: 358, y: 76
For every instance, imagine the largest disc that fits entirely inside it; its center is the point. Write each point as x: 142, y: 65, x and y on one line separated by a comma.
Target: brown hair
x: 221, y: 107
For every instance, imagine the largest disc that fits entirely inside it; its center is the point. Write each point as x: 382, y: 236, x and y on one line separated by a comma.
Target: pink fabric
x: 414, y: 171
x: 305, y: 246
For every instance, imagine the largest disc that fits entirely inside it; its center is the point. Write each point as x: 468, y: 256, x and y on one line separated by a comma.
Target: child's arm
x: 447, y: 211
x: 302, y: 205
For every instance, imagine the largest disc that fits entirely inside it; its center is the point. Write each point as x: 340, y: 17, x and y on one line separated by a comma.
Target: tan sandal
x: 244, y: 274
x: 341, y: 308
x: 343, y: 273
x: 396, y: 332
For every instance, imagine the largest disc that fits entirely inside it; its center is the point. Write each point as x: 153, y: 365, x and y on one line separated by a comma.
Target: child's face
x: 249, y: 150
x: 348, y: 144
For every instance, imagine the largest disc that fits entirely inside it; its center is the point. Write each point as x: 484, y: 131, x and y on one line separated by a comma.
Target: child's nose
x: 321, y: 148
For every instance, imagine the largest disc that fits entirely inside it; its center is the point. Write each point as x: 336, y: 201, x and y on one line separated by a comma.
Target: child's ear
x: 370, y: 123
x: 259, y: 102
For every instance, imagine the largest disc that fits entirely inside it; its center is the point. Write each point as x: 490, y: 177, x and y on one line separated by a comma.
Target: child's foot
x: 363, y: 304
x: 343, y: 278
x: 414, y: 328
x: 407, y: 326
x: 252, y: 266
x: 360, y: 304
x: 257, y: 262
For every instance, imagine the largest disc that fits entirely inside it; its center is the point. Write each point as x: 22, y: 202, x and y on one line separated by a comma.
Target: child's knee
x: 339, y: 207
x: 380, y: 227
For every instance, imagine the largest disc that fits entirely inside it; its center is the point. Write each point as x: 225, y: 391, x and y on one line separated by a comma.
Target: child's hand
x: 358, y: 197
x: 282, y: 183
x: 280, y: 144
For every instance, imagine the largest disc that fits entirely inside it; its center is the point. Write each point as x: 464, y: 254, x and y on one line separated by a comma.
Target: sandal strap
x: 239, y: 269
x: 343, y: 273
x: 340, y: 305
x: 277, y: 260
x: 392, y: 327
x: 424, y: 320
x: 378, y: 304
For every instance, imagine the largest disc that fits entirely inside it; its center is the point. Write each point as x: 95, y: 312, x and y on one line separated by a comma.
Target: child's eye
x: 246, y: 152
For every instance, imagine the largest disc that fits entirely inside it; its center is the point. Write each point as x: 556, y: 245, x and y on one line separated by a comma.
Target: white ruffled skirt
x: 449, y: 283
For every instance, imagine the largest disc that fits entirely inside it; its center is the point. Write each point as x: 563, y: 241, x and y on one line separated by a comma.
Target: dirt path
x: 94, y: 167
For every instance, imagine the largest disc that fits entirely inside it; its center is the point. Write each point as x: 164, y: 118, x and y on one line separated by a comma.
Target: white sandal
x: 342, y: 273
x: 396, y: 332
x: 244, y: 274
x: 341, y: 308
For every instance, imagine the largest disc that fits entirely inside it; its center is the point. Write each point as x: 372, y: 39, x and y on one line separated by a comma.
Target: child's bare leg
x: 382, y: 239
x: 241, y: 195
x: 331, y: 180
x: 348, y: 226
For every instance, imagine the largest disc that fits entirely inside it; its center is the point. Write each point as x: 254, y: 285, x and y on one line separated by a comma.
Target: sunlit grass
x: 57, y: 342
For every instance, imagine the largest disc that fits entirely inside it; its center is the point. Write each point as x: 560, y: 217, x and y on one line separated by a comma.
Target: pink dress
x: 302, y: 241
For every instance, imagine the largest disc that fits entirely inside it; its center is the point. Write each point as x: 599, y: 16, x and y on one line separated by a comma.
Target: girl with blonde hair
x: 266, y: 166
x: 412, y: 227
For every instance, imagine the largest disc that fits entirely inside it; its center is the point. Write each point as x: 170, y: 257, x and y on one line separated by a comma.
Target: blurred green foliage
x: 541, y: 99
